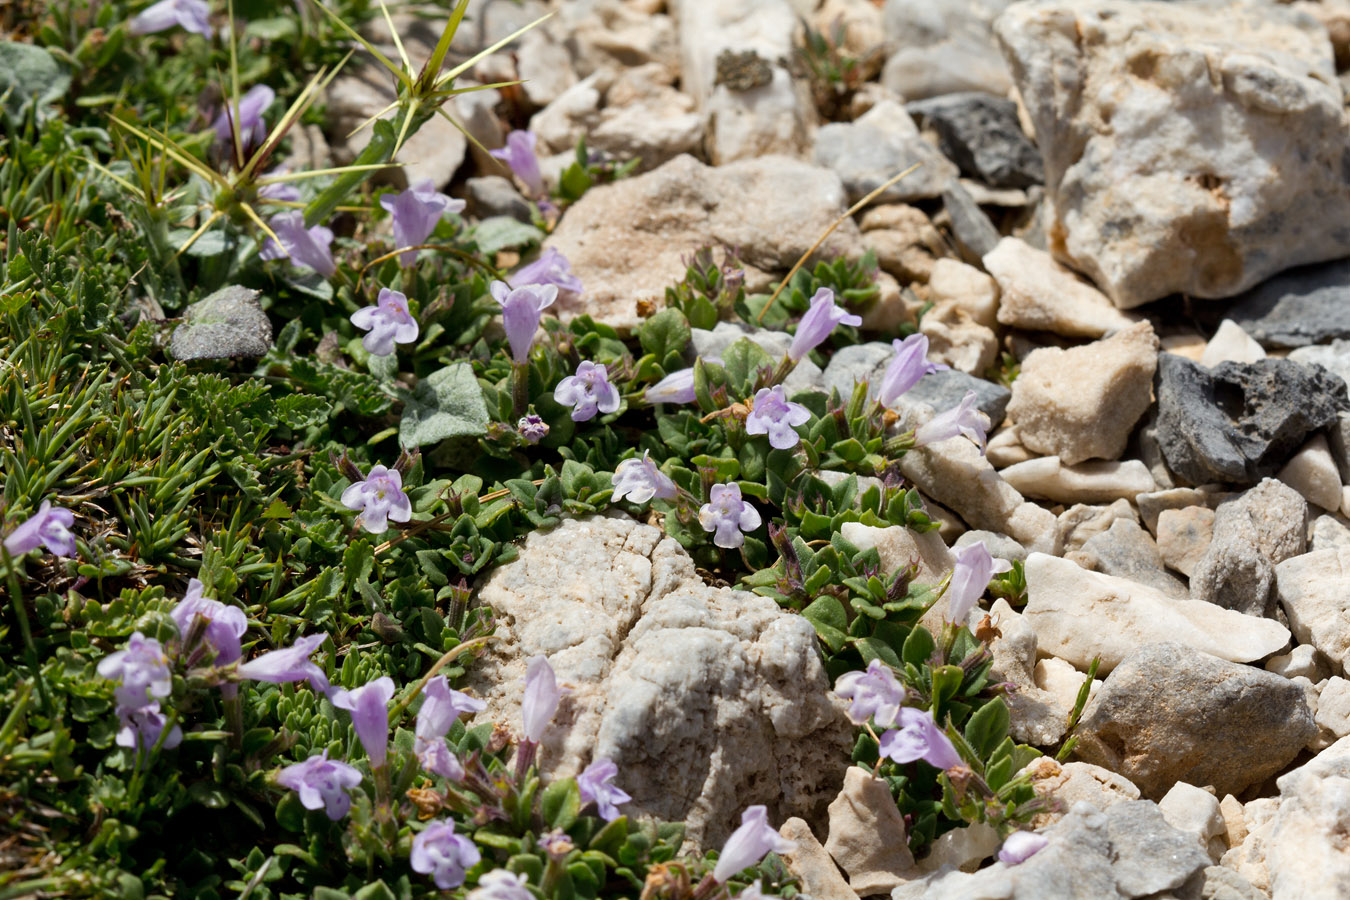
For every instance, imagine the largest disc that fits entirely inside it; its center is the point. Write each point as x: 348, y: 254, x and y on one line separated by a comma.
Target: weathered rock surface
x: 1127, y: 551
x: 1314, y: 590
x: 944, y: 48
x: 1082, y: 403
x: 1305, y: 850
x: 1039, y: 294
x: 1303, y: 306
x: 965, y: 286
x: 1098, y: 481
x: 955, y: 339
x: 1073, y: 783
x: 981, y: 134
x: 708, y: 699
x: 228, y: 324
x: 1034, y: 715
x: 1172, y: 713
x: 1184, y: 536
x: 871, y: 150
x: 867, y: 834
x: 1129, y: 101
x: 626, y: 241
x: 1194, y: 810
x: 1252, y: 534
x: 1079, y: 614
x: 1240, y: 421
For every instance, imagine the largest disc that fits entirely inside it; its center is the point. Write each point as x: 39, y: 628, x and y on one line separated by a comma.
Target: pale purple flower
x: 369, y: 706
x: 1021, y: 846
x: 540, y: 700
x: 249, y: 112
x: 521, y: 309
x: 288, y: 664
x: 919, y: 737
x: 873, y: 694
x: 595, y: 787
x: 749, y: 843
x: 753, y: 891
x: 416, y: 212
x: 322, y: 783
x: 677, y: 387
x: 387, y: 323
x: 532, y: 428
x: 441, y: 706
x: 501, y: 884
x: 587, y: 391
x: 445, y: 856
x: 728, y: 515
x: 303, y: 246
x: 640, y: 480
x: 970, y: 576
x: 550, y: 268
x: 49, y: 527
x: 161, y: 16
x: 225, y: 625
x: 380, y: 498
x: 279, y: 190
x: 817, y: 324
x: 142, y: 670
x: 777, y: 416
x: 142, y: 727
x: 909, y: 365
x: 961, y: 419
x: 519, y: 155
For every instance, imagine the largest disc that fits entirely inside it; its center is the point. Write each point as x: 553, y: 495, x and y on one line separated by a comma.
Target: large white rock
x: 1041, y: 295
x: 708, y: 699
x: 1189, y: 148
x: 1079, y: 614
x: 1098, y: 481
x: 1305, y: 850
x: 1314, y: 590
x: 942, y: 48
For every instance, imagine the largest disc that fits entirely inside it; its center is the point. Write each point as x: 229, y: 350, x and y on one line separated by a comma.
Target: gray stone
x: 1169, y: 713
x: 975, y: 233
x: 1240, y: 421
x: 1334, y: 357
x: 1222, y: 883
x: 982, y: 135
x: 1127, y: 551
x: 1328, y: 533
x: 1149, y: 852
x: 493, y: 195
x: 1307, y: 305
x: 941, y: 48
x: 228, y: 324
x: 940, y: 390
x: 884, y: 142
x: 1252, y: 534
x: 708, y: 699
x: 1000, y: 546
x: 1034, y: 714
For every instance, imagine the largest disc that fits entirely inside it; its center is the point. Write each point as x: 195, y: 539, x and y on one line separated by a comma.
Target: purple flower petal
x: 748, y: 844
x: 369, y: 706
x: 541, y: 698
x: 819, y: 321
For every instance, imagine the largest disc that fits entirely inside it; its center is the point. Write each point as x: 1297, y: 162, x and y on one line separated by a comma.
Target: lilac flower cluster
x: 727, y: 516
x: 322, y: 783
x: 640, y: 481
x: 970, y: 576
x: 369, y: 707
x: 773, y: 414
x: 588, y: 392
x: 445, y: 856
x: 821, y: 319
x: 875, y: 694
x: 519, y: 155
x: 142, y: 672
x: 440, y: 708
x: 748, y: 844
x: 415, y: 213
x: 192, y: 15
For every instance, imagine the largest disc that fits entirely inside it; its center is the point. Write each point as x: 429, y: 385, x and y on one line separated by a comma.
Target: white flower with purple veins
x: 142, y: 670
x: 192, y: 15
x: 142, y: 727
x: 442, y: 854
x: 550, y: 268
x: 904, y: 371
x: 587, y: 392
x: 748, y: 844
x: 640, y: 480
x: 521, y: 309
x: 387, y: 323
x: 322, y: 783
x: 519, y: 155
x: 541, y: 698
x: 248, y: 113
x: 873, y: 694
x: 595, y: 787
x: 224, y: 625
x: 369, y: 706
x: 501, y: 884
x: 289, y: 664
x: 416, y: 212
x: 677, y: 387
x: 971, y: 573
x: 49, y: 527
x: 1020, y: 847
x: 821, y: 319
x: 380, y: 498
x: 441, y: 706
x: 919, y: 737
x: 303, y: 246
x: 773, y: 414
x: 963, y: 418
x: 728, y: 516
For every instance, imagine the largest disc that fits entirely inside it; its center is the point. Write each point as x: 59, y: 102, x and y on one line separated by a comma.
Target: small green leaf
x: 918, y: 646
x: 448, y: 403
x: 501, y: 232
x: 561, y: 803
x: 988, y: 727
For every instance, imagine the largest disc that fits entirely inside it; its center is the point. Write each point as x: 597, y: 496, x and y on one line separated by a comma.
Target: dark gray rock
x: 228, y: 324
x: 1127, y: 551
x: 975, y: 233
x: 1240, y: 421
x: 1334, y: 357
x: 1169, y: 713
x: 1150, y: 855
x: 1307, y: 305
x: 981, y: 134
x: 493, y: 195
x: 1252, y: 534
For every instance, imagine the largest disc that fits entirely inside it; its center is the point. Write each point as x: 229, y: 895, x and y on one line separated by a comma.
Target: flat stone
x: 952, y: 281
x: 1098, y: 481
x: 1184, y: 535
x: 493, y: 195
x: 1314, y: 590
x: 1128, y: 101
x: 1240, y: 421
x: 1172, y: 713
x: 867, y: 835
x: 1252, y: 534
x: 1307, y: 305
x: 982, y: 135
x: 811, y: 865
x: 229, y: 324
x: 974, y: 231
x: 1039, y: 294
x: 941, y: 49
x: 884, y: 142
x: 1079, y: 614
x: 1127, y: 551
x: 1312, y: 472
x: 1000, y: 546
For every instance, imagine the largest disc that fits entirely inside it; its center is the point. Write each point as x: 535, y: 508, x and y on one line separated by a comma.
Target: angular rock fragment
x: 228, y: 324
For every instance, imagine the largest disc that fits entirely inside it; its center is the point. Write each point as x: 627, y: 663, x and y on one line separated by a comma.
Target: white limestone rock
x: 1039, y: 294
x: 1314, y: 590
x: 1231, y: 344
x: 1312, y: 472
x: 1098, y: 481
